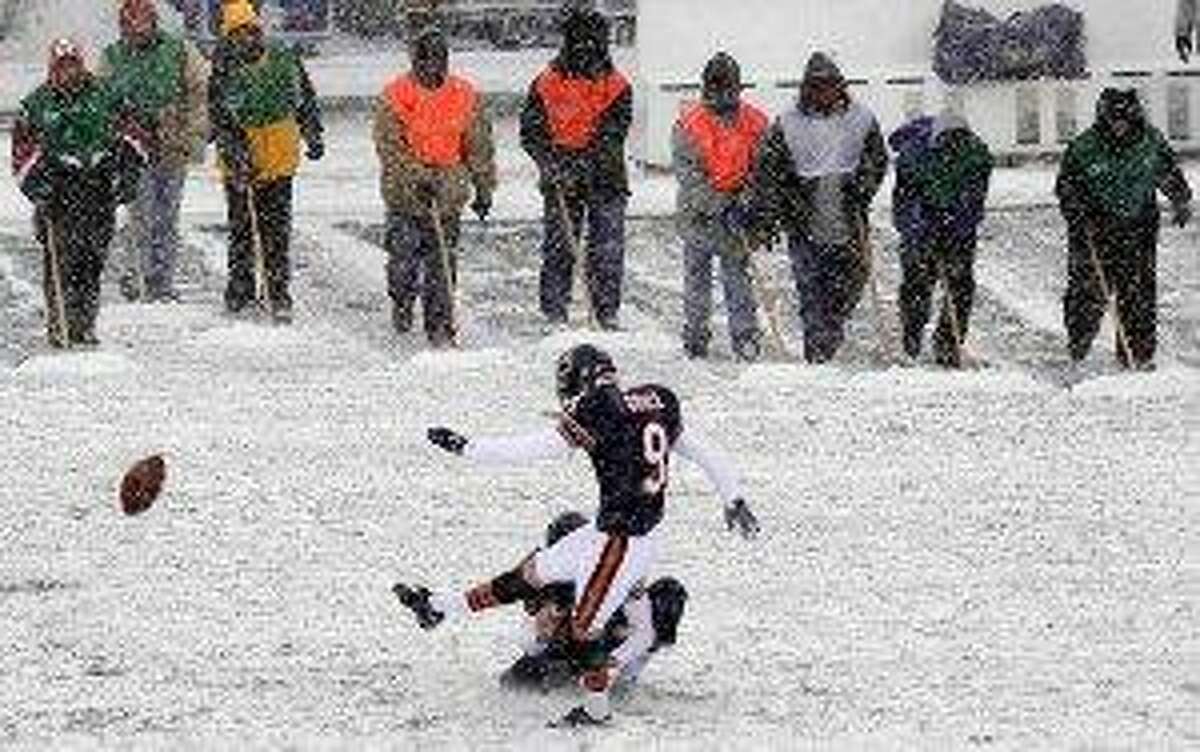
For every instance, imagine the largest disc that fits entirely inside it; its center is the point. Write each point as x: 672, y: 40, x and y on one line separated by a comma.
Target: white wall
x: 675, y: 37
x: 875, y: 40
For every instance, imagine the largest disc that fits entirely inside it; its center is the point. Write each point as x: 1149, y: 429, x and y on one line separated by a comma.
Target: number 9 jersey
x: 628, y: 435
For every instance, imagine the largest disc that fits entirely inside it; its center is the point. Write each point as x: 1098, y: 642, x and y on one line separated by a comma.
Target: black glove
x: 426, y: 193
x: 482, y: 206
x: 1181, y: 214
x: 737, y: 513
x: 1183, y: 45
x: 126, y: 188
x: 316, y: 148
x: 447, y: 439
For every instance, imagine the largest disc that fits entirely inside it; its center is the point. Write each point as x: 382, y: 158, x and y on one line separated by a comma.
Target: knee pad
x: 668, y: 598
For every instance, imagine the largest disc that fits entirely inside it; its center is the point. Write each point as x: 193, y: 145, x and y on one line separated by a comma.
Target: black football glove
x: 739, y: 515
x: 447, y: 439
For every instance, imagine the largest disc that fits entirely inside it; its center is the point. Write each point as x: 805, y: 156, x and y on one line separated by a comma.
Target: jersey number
x: 654, y: 452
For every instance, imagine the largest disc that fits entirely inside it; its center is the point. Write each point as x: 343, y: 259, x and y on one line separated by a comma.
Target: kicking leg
x: 431, y: 609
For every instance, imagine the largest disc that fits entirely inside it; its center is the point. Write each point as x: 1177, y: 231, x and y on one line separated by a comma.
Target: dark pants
x: 83, y: 224
x: 829, y: 281
x: 604, y: 250
x: 415, y: 264
x: 273, y: 215
x: 953, y: 264
x: 1127, y: 254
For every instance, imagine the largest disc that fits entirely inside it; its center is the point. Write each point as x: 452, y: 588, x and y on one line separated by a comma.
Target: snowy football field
x: 950, y: 560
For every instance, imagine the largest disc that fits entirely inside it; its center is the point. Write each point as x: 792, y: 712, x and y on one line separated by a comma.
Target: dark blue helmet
x: 579, y: 369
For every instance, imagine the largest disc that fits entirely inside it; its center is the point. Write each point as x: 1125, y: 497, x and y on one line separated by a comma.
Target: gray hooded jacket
x: 818, y: 171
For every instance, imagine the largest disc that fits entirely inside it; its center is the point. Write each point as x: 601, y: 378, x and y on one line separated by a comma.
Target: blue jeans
x: 152, y: 244
x: 603, y: 248
x: 697, y: 294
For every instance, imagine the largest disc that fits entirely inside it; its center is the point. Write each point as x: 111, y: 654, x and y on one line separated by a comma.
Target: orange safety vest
x: 574, y: 106
x: 727, y: 149
x: 434, y: 119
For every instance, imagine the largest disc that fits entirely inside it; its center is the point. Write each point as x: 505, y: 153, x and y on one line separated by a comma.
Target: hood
x: 915, y: 134
x: 948, y: 121
x: 821, y: 65
x: 1115, y: 104
x: 585, y: 48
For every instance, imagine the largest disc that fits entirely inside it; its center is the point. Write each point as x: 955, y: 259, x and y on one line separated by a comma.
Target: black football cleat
x: 417, y: 601
x: 579, y: 717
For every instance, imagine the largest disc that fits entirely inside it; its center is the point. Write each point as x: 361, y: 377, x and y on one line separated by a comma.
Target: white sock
x: 452, y: 605
x: 596, y: 704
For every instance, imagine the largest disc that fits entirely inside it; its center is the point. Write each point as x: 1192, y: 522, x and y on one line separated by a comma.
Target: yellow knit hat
x: 237, y: 14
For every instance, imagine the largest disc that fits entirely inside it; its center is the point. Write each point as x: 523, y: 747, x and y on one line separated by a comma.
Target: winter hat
x: 948, y: 120
x: 64, y: 48
x: 820, y: 65
x: 135, y: 13
x: 721, y: 68
x: 235, y: 15
x: 581, y: 24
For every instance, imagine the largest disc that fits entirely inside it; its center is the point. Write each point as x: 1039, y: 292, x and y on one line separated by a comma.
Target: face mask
x: 430, y: 66
x: 723, y: 96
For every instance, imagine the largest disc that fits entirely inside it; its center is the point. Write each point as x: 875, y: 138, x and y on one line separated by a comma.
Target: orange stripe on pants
x: 598, y: 584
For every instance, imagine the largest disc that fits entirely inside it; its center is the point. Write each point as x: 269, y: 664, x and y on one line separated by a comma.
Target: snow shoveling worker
x: 819, y: 170
x: 165, y: 79
x: 77, y: 152
x: 435, y: 148
x: 1106, y: 188
x: 713, y: 146
x: 261, y: 104
x: 574, y: 125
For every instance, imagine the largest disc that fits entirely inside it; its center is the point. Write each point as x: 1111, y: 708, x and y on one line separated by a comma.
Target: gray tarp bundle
x: 973, y: 45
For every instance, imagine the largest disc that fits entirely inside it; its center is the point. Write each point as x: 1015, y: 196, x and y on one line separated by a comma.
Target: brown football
x: 141, y: 484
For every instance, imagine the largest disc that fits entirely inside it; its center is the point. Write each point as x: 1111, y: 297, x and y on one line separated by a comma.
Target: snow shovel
x: 886, y: 345
x: 439, y: 234
x: 1110, y: 300
x: 579, y: 278
x: 60, y: 305
x: 260, y: 260
x: 770, y: 302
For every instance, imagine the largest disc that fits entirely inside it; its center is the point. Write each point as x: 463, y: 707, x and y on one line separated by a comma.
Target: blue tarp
x: 973, y: 45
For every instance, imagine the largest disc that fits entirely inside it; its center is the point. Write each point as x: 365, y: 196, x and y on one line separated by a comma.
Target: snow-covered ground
x: 974, y: 560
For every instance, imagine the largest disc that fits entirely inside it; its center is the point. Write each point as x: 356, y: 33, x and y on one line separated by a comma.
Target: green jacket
x: 72, y: 143
x: 1103, y: 176
x: 261, y: 110
x: 148, y: 78
x: 77, y: 129
x: 165, y: 83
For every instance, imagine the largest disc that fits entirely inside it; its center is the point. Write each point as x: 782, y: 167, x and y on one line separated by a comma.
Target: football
x: 142, y: 483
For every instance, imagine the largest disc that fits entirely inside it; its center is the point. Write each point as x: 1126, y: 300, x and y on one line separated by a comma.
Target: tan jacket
x: 401, y: 171
x: 183, y: 125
